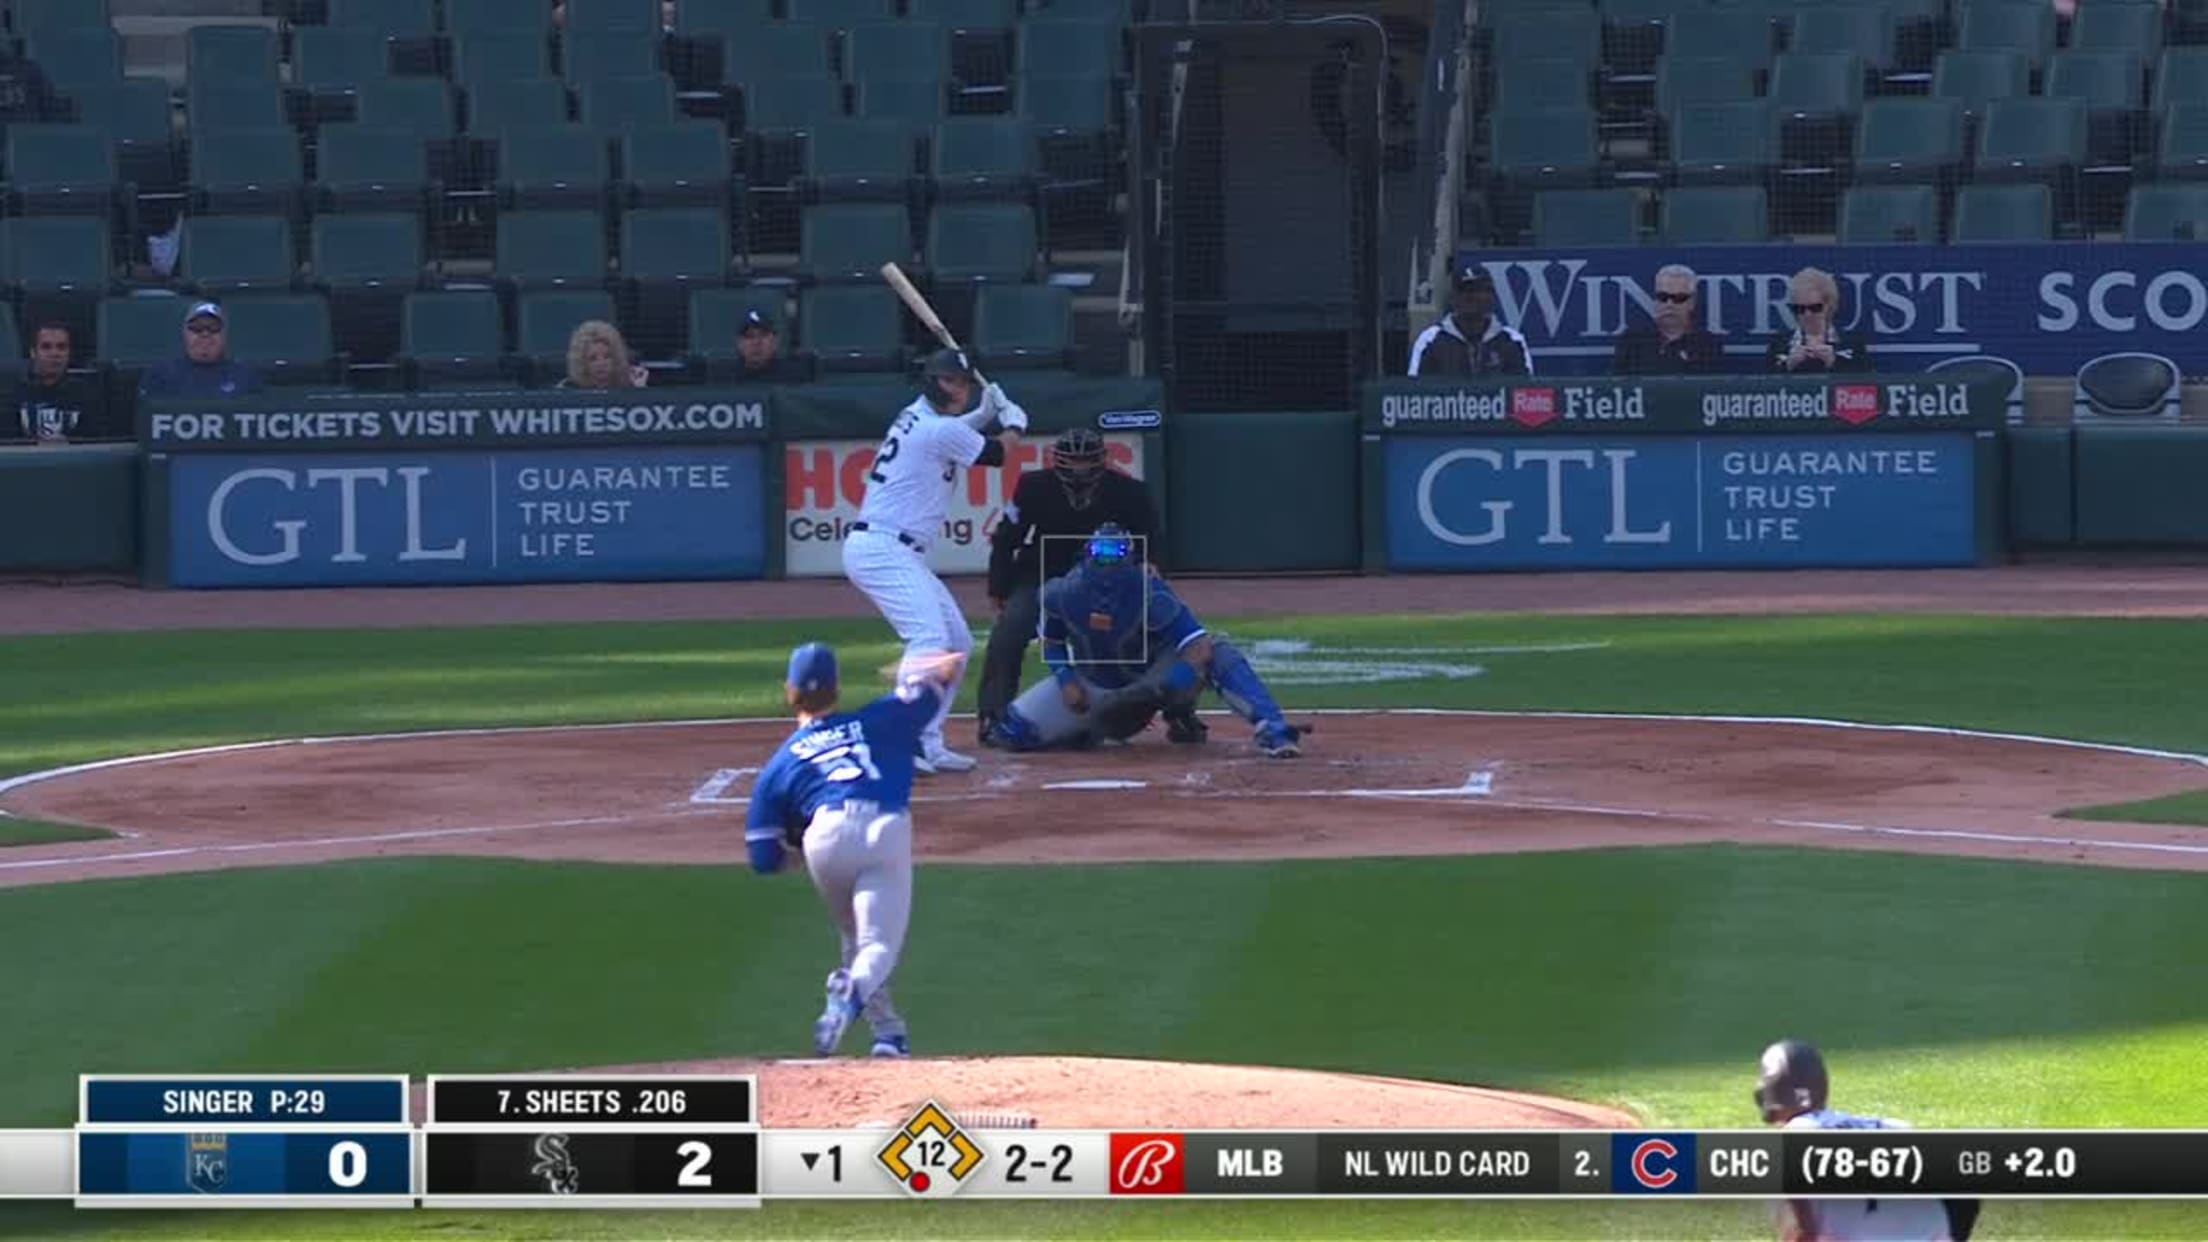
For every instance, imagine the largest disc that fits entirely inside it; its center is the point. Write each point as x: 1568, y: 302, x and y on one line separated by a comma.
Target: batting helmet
x: 941, y: 365
x: 1078, y: 460
x: 1111, y: 547
x: 1792, y: 1080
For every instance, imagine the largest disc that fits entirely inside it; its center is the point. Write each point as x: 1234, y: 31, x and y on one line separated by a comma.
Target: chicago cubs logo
x: 1652, y: 1164
x: 1148, y: 1164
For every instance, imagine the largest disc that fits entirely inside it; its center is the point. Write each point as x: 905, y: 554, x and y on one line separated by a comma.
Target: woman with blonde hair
x: 597, y: 357
x: 1815, y: 344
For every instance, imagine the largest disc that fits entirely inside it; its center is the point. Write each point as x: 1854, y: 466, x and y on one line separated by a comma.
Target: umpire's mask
x: 1078, y: 460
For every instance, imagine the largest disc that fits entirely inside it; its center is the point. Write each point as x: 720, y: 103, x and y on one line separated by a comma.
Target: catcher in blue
x: 840, y: 790
x: 1122, y: 647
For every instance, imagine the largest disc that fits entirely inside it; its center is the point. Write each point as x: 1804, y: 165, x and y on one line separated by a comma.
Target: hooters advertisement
x: 824, y: 482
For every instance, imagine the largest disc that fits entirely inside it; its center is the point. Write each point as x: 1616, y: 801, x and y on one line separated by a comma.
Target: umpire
x: 1079, y: 493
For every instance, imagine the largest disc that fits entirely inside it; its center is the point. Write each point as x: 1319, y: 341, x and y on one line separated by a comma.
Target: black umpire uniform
x: 1075, y: 496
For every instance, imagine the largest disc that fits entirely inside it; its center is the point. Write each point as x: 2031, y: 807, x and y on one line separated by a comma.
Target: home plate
x: 1098, y: 785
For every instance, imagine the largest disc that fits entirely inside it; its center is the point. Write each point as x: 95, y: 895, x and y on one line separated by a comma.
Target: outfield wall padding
x: 69, y: 509
x: 2040, y: 505
x: 1263, y: 493
x: 2141, y: 485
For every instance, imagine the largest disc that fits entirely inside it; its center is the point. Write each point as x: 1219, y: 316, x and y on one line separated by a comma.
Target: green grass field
x: 15, y: 831
x: 1953, y: 992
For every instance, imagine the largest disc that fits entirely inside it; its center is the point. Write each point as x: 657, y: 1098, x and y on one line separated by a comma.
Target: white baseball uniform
x: 908, y: 493
x: 1897, y: 1220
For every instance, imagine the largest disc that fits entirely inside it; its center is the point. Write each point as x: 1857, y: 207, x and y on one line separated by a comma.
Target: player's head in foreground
x: 1078, y: 460
x: 810, y: 688
x: 948, y: 379
x: 1791, y: 1081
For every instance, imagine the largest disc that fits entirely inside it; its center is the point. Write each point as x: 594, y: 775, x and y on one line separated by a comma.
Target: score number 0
x: 348, y: 1164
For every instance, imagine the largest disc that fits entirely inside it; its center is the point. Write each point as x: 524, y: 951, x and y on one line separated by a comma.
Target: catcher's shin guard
x: 1012, y: 731
x: 1240, y: 686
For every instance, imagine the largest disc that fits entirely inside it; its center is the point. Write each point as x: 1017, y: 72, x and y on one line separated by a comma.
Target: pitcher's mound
x: 1098, y: 1093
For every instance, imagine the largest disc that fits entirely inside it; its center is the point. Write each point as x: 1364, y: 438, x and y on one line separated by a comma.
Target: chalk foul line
x: 709, y: 793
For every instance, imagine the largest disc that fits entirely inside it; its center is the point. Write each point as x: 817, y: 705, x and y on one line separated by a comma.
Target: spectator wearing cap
x: 759, y: 346
x: 206, y: 369
x: 1470, y: 340
x: 52, y: 406
x: 1671, y: 342
x: 1816, y: 345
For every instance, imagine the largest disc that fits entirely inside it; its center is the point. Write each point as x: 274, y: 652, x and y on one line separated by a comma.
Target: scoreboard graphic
x: 597, y: 1141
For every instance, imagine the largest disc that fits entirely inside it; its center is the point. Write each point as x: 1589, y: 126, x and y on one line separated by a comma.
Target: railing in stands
x: 1442, y: 134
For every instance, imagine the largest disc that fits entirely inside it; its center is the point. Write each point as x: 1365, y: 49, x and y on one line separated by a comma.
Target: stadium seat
x: 790, y: 103
x: 35, y: 18
x: 2130, y: 384
x: 420, y: 105
x: 2169, y: 212
x: 1721, y: 143
x: 1586, y: 218
x: 840, y: 14
x: 716, y: 320
x: 365, y: 264
x: 1683, y: 80
x: 859, y: 161
x: 1909, y: 140
x: 551, y: 249
x: 982, y: 158
x: 366, y: 168
x: 2004, y: 213
x: 1543, y: 148
x: 966, y: 14
x: 1546, y: 83
x: 1021, y: 327
x: 2030, y: 139
x: 486, y: 56
x: 850, y: 241
x: 2181, y: 76
x: 213, y: 105
x: 235, y: 55
x: 499, y: 104
x: 982, y: 243
x: 590, y: 18
x: 1877, y: 215
x: 2099, y: 80
x: 920, y: 100
x: 286, y: 337
x: 1046, y: 47
x: 1816, y: 84
x: 610, y: 54
x: 1633, y: 34
x: 543, y: 322
x: 1732, y: 32
x: 617, y: 104
x: 451, y: 338
x: 57, y: 255
x: 678, y: 165
x: 133, y: 333
x: 704, y: 28
x: 466, y: 17
x: 1569, y: 33
x: 860, y: 328
x: 2118, y: 26
x: 2025, y: 27
x: 248, y: 172
x: 2183, y: 153
x: 223, y: 255
x: 910, y: 50
x: 78, y: 56
x: 666, y: 252
x: 1976, y: 79
x: 334, y: 60
x: 1865, y: 31
x: 551, y: 166
x: 391, y: 19
x: 61, y: 170
x: 1713, y: 215
x: 777, y: 51
x: 134, y: 113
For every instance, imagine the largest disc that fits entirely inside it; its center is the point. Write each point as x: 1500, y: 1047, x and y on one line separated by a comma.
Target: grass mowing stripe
x: 16, y: 830
x: 2189, y: 809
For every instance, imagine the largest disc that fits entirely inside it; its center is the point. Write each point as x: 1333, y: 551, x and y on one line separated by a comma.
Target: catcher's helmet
x: 1078, y: 460
x: 943, y: 364
x: 1111, y: 547
x: 1792, y: 1080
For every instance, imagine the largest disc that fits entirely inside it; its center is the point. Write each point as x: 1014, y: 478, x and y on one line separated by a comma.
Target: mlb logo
x: 1149, y: 1164
x: 1652, y: 1164
x: 1855, y: 404
x: 1532, y: 406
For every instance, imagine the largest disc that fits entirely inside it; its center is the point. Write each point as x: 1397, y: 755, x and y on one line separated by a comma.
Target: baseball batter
x: 907, y: 494
x: 1122, y: 647
x: 840, y: 789
x: 1791, y: 1091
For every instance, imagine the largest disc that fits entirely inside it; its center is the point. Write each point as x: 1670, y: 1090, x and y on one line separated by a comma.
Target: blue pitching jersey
x: 1109, y: 626
x: 861, y: 756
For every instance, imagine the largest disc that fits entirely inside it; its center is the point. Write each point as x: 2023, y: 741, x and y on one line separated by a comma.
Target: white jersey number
x: 848, y: 763
x: 894, y: 444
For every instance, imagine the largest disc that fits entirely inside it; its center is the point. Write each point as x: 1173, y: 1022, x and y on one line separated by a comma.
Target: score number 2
x: 1016, y: 1163
x: 696, y: 1156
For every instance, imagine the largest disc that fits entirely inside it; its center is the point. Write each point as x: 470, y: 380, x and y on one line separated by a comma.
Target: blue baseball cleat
x: 1279, y: 739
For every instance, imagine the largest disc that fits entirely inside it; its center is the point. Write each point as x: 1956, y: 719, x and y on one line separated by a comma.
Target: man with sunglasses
x: 1816, y: 345
x: 1470, y: 341
x: 1671, y: 342
x: 206, y: 369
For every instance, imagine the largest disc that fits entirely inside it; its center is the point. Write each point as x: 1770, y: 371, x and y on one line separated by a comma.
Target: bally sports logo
x: 1149, y: 1164
x: 1855, y: 404
x: 1652, y: 1164
x: 1532, y: 406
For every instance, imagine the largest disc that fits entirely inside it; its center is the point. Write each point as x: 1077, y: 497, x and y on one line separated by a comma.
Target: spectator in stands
x: 1469, y: 340
x: 54, y: 406
x: 1815, y: 344
x: 206, y: 369
x: 597, y: 357
x: 759, y: 344
x: 1670, y: 342
x: 26, y: 93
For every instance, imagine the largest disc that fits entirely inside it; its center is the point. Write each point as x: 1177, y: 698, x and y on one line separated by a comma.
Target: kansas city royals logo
x: 207, y: 1162
x: 555, y: 1166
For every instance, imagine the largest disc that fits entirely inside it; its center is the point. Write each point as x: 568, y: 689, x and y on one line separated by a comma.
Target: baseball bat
x: 918, y: 303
